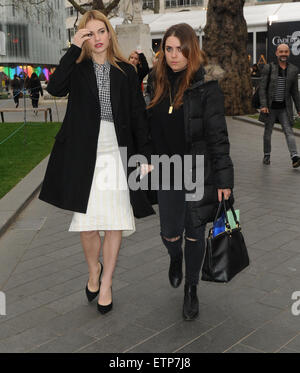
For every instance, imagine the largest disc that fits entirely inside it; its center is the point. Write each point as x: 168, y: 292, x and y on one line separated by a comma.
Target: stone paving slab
x: 43, y: 274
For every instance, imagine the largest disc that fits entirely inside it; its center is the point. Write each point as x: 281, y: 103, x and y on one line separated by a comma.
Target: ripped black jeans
x: 174, y: 220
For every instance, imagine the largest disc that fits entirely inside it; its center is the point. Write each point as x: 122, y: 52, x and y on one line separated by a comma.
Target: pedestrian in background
x: 85, y: 173
x: 6, y: 83
x: 255, y: 73
x: 279, y: 85
x: 138, y: 59
x: 35, y: 88
x: 16, y: 89
x: 148, y: 93
x: 186, y: 116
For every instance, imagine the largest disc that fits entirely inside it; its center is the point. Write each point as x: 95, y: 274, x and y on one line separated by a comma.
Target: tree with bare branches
x: 225, y: 42
x: 106, y: 7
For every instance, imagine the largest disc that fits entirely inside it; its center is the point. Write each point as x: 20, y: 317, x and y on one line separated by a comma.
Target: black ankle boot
x: 175, y: 271
x: 191, y: 302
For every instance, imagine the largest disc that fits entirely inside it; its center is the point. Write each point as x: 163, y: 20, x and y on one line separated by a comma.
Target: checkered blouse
x: 103, y: 83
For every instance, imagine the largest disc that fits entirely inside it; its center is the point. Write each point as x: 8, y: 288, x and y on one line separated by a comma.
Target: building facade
x: 31, y: 38
x: 177, y: 5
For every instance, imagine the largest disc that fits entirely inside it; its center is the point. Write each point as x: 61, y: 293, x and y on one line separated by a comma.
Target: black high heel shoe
x: 91, y: 295
x: 104, y: 309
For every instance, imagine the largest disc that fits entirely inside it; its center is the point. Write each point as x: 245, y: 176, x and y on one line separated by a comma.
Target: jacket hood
x: 213, y: 72
x: 208, y: 73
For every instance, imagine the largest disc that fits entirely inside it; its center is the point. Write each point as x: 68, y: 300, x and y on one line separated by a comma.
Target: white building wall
x: 46, y: 35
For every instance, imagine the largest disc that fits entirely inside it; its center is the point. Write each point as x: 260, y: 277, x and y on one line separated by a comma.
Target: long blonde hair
x: 114, y: 53
x: 191, y: 50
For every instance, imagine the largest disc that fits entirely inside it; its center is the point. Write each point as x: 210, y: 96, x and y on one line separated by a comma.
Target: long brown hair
x: 114, y: 53
x: 191, y: 50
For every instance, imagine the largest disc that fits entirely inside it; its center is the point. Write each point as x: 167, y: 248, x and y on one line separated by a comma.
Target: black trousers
x: 35, y: 102
x: 175, y: 219
x: 16, y: 95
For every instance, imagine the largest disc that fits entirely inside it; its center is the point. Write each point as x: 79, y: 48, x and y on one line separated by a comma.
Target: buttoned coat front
x: 70, y: 170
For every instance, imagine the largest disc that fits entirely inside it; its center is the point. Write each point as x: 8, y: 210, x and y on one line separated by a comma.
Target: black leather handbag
x: 226, y: 254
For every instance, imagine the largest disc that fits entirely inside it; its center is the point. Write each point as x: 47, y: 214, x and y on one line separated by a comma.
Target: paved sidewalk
x: 43, y: 275
x: 58, y: 107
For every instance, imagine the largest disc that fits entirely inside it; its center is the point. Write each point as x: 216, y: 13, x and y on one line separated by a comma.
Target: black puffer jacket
x: 206, y: 134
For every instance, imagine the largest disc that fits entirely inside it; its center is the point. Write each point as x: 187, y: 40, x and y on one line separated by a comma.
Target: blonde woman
x: 85, y: 173
x: 138, y: 59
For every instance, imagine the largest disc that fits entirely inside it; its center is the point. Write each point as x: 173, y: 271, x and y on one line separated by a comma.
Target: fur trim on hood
x: 213, y: 72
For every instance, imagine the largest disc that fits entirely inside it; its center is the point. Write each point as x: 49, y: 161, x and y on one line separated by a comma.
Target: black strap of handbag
x: 223, y: 204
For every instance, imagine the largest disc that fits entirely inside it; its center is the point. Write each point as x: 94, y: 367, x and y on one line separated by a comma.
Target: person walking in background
x: 85, y: 173
x: 6, y: 83
x: 16, y: 89
x: 186, y: 116
x: 255, y: 73
x: 35, y: 88
x: 279, y: 85
x: 149, y: 86
x: 138, y: 59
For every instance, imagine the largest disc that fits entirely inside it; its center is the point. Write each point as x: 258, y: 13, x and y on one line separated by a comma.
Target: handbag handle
x: 223, y: 204
x: 233, y: 213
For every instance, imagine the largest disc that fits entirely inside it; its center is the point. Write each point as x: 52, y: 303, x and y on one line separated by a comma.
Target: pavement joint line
x: 150, y: 337
x: 199, y: 336
x: 20, y: 259
x: 91, y: 343
x: 4, y: 227
x: 53, y: 273
x: 287, y: 342
x: 260, y: 327
x: 250, y: 347
x: 37, y: 346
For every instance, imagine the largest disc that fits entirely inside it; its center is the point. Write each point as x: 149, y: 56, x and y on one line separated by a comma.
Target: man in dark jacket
x: 276, y: 101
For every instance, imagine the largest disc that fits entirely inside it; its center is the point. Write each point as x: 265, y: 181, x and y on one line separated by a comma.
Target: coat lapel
x: 289, y: 78
x: 115, y: 85
x: 89, y: 73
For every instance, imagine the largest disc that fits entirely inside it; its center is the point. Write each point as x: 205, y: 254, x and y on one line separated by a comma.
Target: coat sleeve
x: 59, y: 83
x: 216, y: 137
x: 295, y: 92
x: 263, y: 94
x: 139, y: 123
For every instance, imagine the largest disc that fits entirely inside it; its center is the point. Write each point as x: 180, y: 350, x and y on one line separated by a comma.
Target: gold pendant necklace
x: 171, y: 102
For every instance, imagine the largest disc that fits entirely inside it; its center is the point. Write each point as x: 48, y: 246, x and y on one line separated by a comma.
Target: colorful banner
x: 42, y: 72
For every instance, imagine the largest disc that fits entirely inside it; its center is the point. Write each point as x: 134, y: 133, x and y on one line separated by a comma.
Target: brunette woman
x: 85, y: 173
x: 186, y: 117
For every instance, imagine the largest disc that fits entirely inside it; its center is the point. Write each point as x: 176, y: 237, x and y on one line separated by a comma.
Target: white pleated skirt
x: 109, y: 205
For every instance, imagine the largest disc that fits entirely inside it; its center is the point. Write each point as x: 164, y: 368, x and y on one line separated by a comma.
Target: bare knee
x: 172, y: 239
x: 190, y: 239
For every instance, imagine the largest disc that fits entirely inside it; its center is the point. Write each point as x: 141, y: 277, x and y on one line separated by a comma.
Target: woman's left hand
x: 226, y: 193
x: 146, y: 168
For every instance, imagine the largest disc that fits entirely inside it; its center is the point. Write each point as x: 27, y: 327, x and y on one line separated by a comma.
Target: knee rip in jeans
x: 191, y: 239
x: 172, y: 239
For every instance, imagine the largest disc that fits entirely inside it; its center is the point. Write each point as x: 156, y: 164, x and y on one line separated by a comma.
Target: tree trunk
x: 225, y: 42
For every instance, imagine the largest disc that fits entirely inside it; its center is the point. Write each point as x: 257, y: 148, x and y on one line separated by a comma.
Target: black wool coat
x: 206, y: 134
x: 70, y: 170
